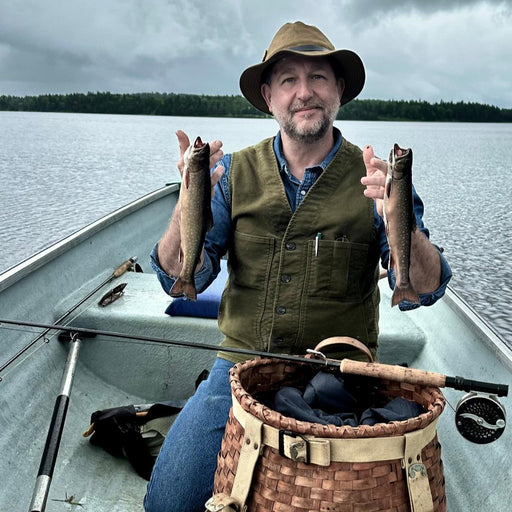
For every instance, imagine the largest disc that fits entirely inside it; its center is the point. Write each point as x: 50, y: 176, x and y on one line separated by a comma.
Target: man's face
x: 304, y: 97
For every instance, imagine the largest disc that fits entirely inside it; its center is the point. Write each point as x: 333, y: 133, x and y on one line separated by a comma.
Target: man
x: 304, y: 237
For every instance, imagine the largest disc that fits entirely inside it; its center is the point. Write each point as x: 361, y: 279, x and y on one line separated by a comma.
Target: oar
x: 390, y: 372
x: 119, y: 271
x: 51, y: 448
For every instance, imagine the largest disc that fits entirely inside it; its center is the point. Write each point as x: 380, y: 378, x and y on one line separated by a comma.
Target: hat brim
x: 349, y: 64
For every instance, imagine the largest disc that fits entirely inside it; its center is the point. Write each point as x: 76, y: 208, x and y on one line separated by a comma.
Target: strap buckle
x: 223, y: 502
x: 298, y: 451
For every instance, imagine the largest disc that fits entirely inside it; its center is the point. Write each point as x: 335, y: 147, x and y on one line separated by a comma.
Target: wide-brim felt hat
x: 301, y: 39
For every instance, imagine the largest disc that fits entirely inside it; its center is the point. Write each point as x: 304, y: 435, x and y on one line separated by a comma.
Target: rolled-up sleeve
x: 426, y: 299
x: 202, y: 278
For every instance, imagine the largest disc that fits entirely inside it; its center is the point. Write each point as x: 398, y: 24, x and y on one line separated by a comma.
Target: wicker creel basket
x: 273, y: 463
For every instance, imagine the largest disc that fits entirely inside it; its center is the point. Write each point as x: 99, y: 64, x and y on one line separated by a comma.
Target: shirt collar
x: 283, y: 165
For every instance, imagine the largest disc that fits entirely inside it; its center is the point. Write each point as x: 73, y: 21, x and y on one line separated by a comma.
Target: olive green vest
x: 283, y: 295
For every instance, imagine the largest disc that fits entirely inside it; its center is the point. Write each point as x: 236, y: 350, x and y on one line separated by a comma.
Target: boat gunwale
x: 39, y: 259
x: 488, y: 334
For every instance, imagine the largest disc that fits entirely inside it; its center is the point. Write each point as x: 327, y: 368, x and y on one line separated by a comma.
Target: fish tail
x: 405, y: 292
x: 182, y: 287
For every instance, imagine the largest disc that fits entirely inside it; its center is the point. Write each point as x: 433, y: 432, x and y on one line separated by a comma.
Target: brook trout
x: 400, y: 221
x: 196, y: 215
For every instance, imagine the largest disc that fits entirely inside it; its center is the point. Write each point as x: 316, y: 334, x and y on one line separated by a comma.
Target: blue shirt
x: 217, y: 239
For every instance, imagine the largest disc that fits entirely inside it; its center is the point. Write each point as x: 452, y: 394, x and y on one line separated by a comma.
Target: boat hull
x: 447, y: 338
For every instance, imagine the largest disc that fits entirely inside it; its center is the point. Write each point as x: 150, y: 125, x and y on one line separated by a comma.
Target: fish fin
x: 185, y: 288
x: 406, y: 292
x: 186, y: 179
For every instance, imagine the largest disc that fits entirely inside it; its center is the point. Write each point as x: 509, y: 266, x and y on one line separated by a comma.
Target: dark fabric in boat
x: 326, y: 401
x: 117, y: 431
x: 207, y: 303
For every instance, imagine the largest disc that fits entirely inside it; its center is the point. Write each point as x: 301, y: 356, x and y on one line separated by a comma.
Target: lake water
x: 60, y: 172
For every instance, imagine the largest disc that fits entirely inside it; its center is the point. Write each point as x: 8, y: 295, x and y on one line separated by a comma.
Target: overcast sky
x: 429, y: 50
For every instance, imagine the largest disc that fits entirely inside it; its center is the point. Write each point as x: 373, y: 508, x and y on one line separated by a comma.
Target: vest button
x: 280, y: 310
x: 286, y: 278
x: 290, y: 246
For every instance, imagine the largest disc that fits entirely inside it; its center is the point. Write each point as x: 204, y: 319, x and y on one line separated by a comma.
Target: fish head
x: 400, y: 161
x: 197, y: 155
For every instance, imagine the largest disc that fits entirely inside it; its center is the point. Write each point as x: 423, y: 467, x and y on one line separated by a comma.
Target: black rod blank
x: 453, y: 382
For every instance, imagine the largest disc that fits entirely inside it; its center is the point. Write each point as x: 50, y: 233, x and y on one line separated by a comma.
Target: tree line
x: 172, y: 104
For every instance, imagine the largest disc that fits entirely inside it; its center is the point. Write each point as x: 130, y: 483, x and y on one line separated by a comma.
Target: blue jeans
x: 182, y: 478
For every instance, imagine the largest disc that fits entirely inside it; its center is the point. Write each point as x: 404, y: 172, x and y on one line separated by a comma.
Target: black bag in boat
x: 134, y: 432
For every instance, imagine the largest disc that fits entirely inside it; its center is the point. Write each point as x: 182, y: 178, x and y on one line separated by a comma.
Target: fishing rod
x: 378, y: 370
x: 479, y: 416
x: 51, y: 447
x: 119, y: 271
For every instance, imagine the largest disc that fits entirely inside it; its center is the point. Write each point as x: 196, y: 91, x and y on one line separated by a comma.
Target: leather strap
x: 336, y: 343
x: 323, y: 451
x: 416, y: 474
x: 252, y: 444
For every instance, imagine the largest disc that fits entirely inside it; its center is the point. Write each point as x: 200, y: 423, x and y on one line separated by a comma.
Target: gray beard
x: 315, y: 132
x: 310, y: 136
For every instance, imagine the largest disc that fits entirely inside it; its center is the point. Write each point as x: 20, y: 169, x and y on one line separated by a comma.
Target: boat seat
x: 142, y: 311
x: 132, y: 364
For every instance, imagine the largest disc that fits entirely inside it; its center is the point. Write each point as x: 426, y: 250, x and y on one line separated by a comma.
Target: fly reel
x: 480, y: 418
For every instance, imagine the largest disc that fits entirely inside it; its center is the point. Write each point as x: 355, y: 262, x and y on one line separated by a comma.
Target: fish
x: 196, y: 215
x: 400, y: 221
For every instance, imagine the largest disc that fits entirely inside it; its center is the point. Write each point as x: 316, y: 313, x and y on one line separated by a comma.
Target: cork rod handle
x: 393, y: 372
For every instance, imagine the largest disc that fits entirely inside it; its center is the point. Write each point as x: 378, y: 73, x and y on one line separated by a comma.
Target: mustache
x: 298, y: 106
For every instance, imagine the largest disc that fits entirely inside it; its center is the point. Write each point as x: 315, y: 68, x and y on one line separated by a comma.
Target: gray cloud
x: 436, y: 50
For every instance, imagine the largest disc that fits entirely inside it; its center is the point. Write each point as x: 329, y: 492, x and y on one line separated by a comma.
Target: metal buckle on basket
x: 299, y: 450
x: 223, y: 502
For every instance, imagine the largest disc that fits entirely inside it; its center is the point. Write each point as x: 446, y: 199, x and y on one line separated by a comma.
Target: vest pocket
x: 251, y: 259
x: 336, y: 268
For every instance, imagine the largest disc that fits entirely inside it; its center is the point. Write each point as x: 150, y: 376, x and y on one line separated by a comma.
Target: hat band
x: 309, y: 48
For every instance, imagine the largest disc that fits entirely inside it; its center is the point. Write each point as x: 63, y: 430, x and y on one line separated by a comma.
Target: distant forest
x: 170, y: 104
